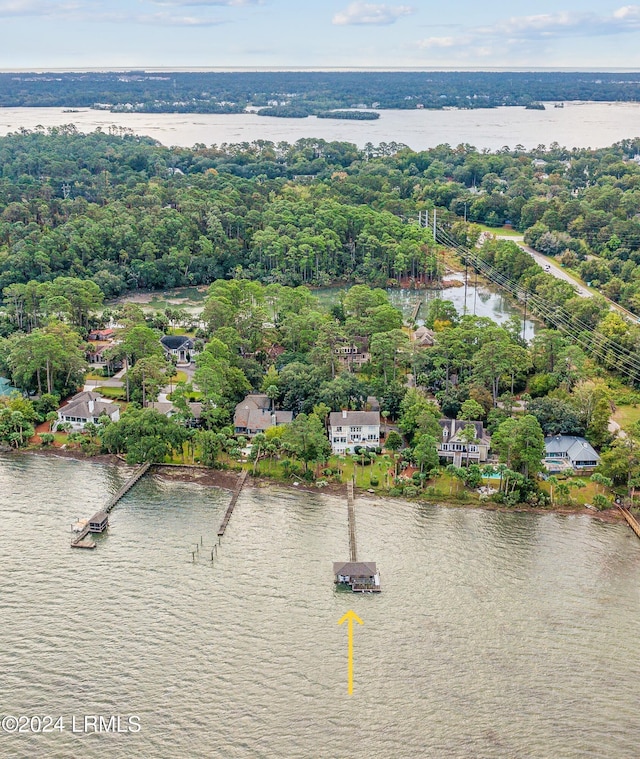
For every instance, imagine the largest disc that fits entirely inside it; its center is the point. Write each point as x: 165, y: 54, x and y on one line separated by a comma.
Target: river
x: 496, y: 634
x: 578, y: 124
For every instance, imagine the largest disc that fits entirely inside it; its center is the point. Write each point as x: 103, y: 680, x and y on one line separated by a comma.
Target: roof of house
x: 251, y: 403
x: 162, y: 407
x: 576, y: 448
x: 80, y: 409
x: 454, y: 426
x: 84, y: 395
x: 101, y: 334
x: 99, y: 517
x: 261, y: 419
x: 360, y: 418
x: 175, y: 342
x: 354, y: 568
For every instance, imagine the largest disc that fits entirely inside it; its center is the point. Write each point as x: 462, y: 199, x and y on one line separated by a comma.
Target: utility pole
x: 434, y: 225
x: 66, y: 190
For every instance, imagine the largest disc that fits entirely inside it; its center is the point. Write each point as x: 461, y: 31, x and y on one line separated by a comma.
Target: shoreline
x: 226, y: 479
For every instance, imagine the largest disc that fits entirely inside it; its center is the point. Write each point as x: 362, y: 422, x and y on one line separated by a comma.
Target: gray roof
x: 175, y: 342
x: 253, y: 414
x: 99, y: 517
x: 454, y: 426
x: 162, y: 407
x: 354, y: 568
x: 359, y: 418
x: 81, y: 410
x: 576, y: 448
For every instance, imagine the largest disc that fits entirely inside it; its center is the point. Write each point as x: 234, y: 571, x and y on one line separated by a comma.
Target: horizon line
x: 319, y: 69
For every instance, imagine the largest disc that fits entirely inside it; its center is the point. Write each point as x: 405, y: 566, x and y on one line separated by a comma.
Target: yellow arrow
x: 350, y: 617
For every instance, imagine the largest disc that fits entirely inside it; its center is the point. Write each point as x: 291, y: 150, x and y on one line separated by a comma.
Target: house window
x: 338, y: 429
x: 356, y: 429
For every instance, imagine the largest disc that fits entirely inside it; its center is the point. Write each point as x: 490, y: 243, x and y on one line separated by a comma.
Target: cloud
x: 541, y: 27
x: 359, y: 13
x: 16, y: 8
x: 97, y: 11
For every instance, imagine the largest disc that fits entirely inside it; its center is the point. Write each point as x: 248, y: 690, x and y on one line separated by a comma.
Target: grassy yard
x: 115, y: 393
x: 179, y: 376
x: 627, y: 415
x: 501, y: 231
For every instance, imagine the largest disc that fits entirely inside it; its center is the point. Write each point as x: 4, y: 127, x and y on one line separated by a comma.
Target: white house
x: 87, y: 407
x: 569, y: 452
x: 348, y: 429
x: 452, y: 447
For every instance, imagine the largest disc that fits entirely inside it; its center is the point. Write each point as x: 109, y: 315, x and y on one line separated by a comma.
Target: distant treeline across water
x: 308, y: 92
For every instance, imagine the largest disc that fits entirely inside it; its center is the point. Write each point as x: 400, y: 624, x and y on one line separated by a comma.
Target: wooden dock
x: 415, y: 310
x: 232, y: 504
x: 82, y: 539
x: 631, y: 520
x: 137, y: 475
x: 352, y: 522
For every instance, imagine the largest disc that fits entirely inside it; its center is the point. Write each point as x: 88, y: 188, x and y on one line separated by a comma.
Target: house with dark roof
x: 564, y: 452
x: 87, y: 407
x: 455, y: 449
x: 348, y: 429
x: 180, y: 346
x: 254, y: 415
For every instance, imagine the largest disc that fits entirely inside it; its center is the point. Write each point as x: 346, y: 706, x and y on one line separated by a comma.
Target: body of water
x: 482, y: 300
x: 496, y: 634
x: 578, y: 124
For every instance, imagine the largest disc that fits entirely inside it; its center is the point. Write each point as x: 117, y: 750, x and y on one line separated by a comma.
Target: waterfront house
x: 360, y: 576
x: 254, y: 415
x: 348, y: 429
x: 87, y: 407
x: 180, y: 346
x: 454, y: 449
x: 564, y: 452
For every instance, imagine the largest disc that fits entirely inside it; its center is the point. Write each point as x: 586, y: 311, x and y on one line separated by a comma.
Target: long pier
x: 137, y: 475
x: 232, y: 504
x: 99, y: 520
x: 631, y: 520
x: 415, y: 311
x: 353, y: 551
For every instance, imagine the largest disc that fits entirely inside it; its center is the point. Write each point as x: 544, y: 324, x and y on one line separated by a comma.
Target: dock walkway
x: 415, y: 311
x: 82, y: 539
x: 352, y: 522
x: 232, y: 504
x: 631, y: 520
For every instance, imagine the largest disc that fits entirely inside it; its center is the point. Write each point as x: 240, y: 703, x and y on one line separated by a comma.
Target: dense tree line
x: 211, y: 92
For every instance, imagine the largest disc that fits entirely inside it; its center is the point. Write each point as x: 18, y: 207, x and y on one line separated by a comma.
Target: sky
x: 309, y: 33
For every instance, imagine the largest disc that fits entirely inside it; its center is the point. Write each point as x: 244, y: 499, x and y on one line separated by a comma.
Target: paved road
x: 551, y: 267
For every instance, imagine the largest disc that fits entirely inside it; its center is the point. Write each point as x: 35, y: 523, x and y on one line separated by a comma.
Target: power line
x: 603, y: 347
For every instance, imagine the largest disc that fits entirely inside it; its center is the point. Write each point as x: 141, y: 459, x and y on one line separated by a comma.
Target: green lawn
x: 179, y: 376
x: 502, y: 231
x: 627, y: 415
x: 115, y: 393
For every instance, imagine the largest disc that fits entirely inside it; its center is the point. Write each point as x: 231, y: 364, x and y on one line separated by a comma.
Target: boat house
x: 361, y: 576
x: 99, y: 522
